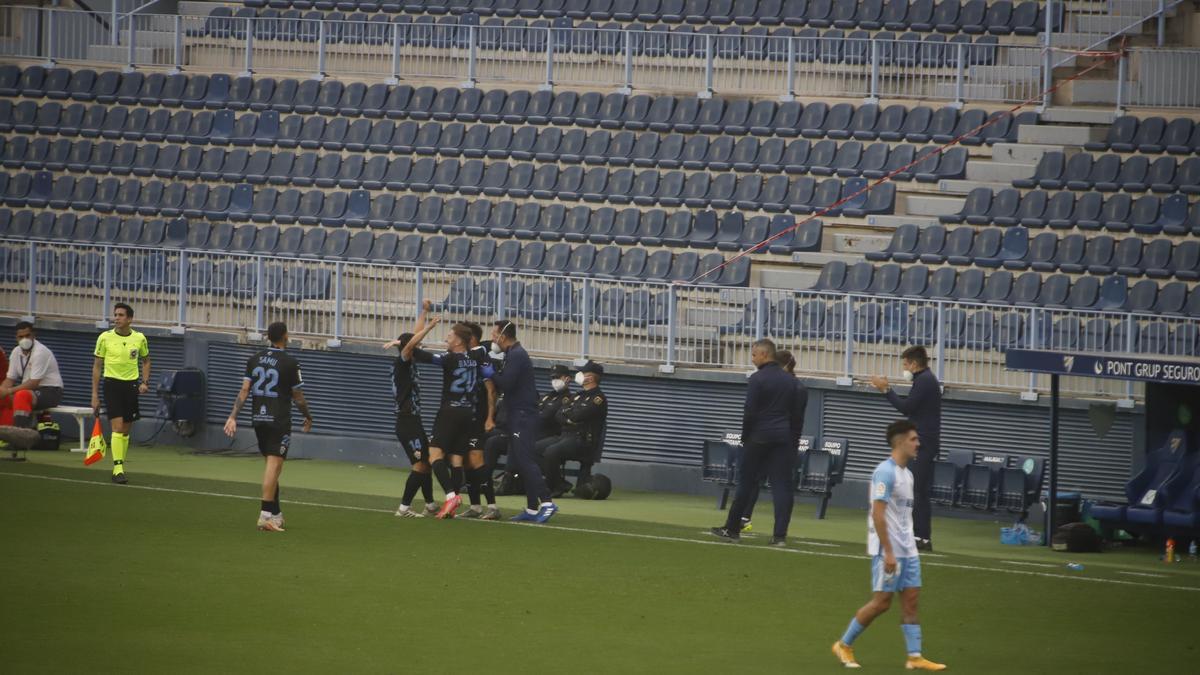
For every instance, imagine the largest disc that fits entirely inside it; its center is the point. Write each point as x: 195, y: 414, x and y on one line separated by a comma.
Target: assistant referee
x: 117, y: 353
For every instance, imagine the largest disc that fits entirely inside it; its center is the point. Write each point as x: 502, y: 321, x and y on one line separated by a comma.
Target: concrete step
x: 817, y: 259
x: 1060, y: 134
x: 859, y: 244
x: 964, y: 187
x: 656, y: 352
x: 120, y: 54
x: 892, y: 222
x: 1022, y: 152
x: 971, y: 91
x: 1033, y: 57
x: 921, y: 205
x: 702, y: 316
x: 1076, y: 116
x: 786, y: 278
x: 1099, y: 23
x: 1078, y: 40
x: 150, y: 38
x: 1098, y: 92
x: 692, y: 332
x: 1009, y: 73
x: 999, y: 172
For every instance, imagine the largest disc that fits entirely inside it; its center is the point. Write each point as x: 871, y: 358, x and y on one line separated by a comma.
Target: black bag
x: 50, y: 432
x: 1076, y: 538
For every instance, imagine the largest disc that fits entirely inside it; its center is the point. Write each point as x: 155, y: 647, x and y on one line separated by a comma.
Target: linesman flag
x: 97, y: 448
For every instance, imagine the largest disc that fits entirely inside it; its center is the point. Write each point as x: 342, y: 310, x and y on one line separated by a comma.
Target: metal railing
x: 1160, y: 78
x: 625, y: 60
x: 844, y: 337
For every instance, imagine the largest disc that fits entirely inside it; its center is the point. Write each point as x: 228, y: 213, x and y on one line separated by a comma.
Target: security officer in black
x: 554, y: 400
x: 582, y: 421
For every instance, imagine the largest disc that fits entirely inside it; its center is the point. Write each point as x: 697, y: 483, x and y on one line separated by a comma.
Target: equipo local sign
x: 1164, y: 370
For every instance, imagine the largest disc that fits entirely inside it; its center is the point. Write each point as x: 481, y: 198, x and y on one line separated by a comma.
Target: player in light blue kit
x: 895, y: 566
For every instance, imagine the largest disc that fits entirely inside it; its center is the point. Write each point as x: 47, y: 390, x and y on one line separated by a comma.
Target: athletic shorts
x: 907, y: 575
x: 121, y: 399
x: 478, y: 437
x: 453, y: 429
x: 272, y: 441
x: 411, y: 434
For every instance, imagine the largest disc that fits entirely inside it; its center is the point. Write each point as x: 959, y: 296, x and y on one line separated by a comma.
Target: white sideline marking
x: 1031, y: 564
x: 631, y: 535
x: 1143, y: 574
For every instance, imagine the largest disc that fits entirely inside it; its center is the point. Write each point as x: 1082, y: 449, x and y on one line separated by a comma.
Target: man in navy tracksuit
x: 922, y: 407
x: 768, y: 443
x: 515, y: 381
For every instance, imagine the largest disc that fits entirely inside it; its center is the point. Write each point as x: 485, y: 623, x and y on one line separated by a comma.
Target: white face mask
x: 496, y: 349
x: 907, y: 375
x: 25, y: 343
x: 579, y: 378
x: 558, y: 385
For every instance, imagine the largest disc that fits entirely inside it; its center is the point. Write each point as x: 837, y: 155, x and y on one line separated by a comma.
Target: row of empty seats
x: 608, y: 262
x: 987, y: 481
x: 950, y: 16
x: 1110, y: 292
x: 662, y: 113
x: 564, y: 37
x: 626, y: 227
x: 1148, y: 214
x: 1110, y: 173
x: 895, y: 321
x: 1014, y: 249
x: 1153, y: 135
x: 801, y: 195
x: 549, y: 144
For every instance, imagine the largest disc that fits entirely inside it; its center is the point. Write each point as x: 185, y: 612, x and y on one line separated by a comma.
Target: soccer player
x: 273, y: 377
x: 895, y: 565
x: 117, y: 354
x: 410, y: 431
x: 478, y: 469
x: 516, y: 382
x: 455, y: 421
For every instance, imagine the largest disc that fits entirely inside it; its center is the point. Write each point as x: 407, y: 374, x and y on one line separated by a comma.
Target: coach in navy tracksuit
x: 922, y: 407
x: 768, y: 443
x: 516, y: 382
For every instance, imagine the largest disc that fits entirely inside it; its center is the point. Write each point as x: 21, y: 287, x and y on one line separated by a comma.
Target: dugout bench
x: 820, y: 466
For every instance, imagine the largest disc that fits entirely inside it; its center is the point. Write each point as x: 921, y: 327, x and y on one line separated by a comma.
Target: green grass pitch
x: 169, y: 575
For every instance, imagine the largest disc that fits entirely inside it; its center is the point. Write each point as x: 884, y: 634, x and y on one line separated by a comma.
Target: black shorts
x: 121, y: 399
x: 411, y: 434
x: 272, y: 440
x: 453, y: 429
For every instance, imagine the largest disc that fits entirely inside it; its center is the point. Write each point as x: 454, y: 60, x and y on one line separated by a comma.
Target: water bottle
x: 1075, y: 567
x: 1192, y: 551
x: 1169, y: 557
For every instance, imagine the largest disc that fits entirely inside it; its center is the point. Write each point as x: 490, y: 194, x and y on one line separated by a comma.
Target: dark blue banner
x: 1161, y: 369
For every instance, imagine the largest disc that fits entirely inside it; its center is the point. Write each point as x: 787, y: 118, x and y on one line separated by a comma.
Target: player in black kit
x: 462, y: 385
x: 479, y: 470
x: 409, y: 430
x: 273, y: 377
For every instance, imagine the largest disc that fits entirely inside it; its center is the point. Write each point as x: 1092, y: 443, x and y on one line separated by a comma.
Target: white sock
x: 404, y: 507
x: 492, y: 507
x: 531, y: 512
x: 450, y: 495
x: 264, y: 514
x: 476, y: 508
x: 545, y: 504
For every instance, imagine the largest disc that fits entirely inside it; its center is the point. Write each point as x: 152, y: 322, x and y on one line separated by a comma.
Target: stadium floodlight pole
x: 848, y: 361
x: 1053, y: 496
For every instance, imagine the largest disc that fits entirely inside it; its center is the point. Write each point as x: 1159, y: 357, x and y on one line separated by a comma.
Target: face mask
x: 907, y: 375
x: 496, y: 349
x: 558, y: 385
x: 25, y: 343
x: 579, y: 377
